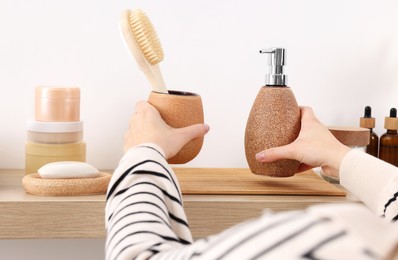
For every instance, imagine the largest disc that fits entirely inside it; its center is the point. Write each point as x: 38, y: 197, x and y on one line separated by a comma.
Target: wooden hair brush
x: 142, y: 41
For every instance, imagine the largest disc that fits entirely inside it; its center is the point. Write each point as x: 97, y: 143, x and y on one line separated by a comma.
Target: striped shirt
x: 145, y: 217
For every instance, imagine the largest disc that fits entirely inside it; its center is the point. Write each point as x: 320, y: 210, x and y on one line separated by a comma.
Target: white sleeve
x: 373, y: 181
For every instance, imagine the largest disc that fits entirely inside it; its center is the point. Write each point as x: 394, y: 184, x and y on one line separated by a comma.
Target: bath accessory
x: 180, y: 109
x: 142, y: 41
x: 274, y: 119
x: 38, y: 154
x: 369, y: 122
x: 389, y: 140
x: 68, y: 170
x: 34, y: 184
x: 60, y: 104
x: 54, y: 132
x: 239, y: 181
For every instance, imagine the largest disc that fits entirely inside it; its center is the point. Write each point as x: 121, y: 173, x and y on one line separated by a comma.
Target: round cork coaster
x: 34, y: 184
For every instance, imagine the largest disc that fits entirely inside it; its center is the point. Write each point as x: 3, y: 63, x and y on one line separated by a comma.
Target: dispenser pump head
x: 276, y: 61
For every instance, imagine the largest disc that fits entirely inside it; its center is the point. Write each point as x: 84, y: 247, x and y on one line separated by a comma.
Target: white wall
x: 342, y: 56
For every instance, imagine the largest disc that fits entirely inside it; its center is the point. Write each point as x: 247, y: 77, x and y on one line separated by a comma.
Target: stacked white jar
x: 56, y: 134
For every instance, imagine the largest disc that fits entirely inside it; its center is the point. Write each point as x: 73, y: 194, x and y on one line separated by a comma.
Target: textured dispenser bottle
x: 274, y: 119
x: 369, y: 122
x: 389, y: 140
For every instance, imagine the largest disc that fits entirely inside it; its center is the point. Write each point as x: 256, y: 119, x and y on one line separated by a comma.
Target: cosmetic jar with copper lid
x: 38, y: 154
x: 353, y: 137
x: 54, y: 132
x: 59, y: 104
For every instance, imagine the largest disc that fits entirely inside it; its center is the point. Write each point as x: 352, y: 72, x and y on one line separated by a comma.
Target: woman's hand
x: 147, y: 126
x: 315, y: 146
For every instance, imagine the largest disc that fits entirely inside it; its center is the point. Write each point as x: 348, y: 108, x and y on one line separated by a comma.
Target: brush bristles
x: 146, y: 36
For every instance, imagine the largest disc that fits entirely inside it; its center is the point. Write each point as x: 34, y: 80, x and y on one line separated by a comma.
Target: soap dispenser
x: 369, y: 122
x: 274, y: 119
x: 389, y: 140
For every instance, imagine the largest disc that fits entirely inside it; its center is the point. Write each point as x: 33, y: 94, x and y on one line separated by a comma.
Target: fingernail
x: 207, y: 128
x: 260, y: 156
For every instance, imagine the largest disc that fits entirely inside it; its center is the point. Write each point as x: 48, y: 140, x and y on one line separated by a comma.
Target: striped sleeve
x: 145, y: 219
x: 373, y: 181
x: 144, y: 211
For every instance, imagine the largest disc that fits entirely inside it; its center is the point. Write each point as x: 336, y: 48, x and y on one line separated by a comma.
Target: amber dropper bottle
x: 389, y: 140
x: 369, y: 122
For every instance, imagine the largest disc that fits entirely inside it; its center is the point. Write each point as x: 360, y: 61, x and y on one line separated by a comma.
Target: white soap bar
x: 68, y: 170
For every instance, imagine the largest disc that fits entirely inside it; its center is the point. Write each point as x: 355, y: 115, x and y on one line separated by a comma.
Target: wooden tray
x: 240, y: 181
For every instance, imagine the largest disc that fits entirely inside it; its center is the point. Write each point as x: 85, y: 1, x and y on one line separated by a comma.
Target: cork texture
x: 274, y: 120
x: 34, y: 184
x: 180, y: 109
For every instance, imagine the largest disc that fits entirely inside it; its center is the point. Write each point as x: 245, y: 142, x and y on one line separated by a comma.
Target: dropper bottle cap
x: 391, y: 122
x: 367, y: 121
x: 276, y: 61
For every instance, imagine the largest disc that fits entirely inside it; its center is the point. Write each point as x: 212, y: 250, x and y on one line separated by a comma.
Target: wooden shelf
x: 27, y: 216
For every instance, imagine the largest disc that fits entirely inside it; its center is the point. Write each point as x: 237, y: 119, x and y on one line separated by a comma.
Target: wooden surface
x: 243, y: 182
x: 29, y: 216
